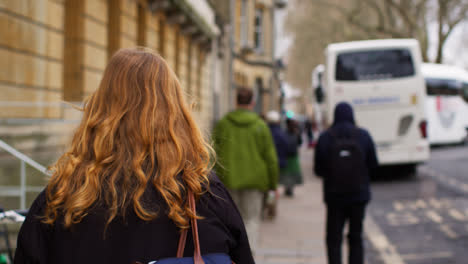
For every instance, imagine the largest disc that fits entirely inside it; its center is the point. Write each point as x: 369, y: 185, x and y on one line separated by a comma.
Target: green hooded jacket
x: 246, y: 152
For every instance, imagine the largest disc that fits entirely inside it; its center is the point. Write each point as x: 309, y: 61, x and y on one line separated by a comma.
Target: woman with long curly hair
x: 118, y: 195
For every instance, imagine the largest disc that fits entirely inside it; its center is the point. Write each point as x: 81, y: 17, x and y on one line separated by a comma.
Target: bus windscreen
x: 374, y: 65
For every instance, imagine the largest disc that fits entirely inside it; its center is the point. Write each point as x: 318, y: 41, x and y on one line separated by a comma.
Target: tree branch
x: 380, y: 15
x: 403, y: 13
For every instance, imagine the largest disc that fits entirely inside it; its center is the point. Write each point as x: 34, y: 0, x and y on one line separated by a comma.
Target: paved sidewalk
x: 297, y: 234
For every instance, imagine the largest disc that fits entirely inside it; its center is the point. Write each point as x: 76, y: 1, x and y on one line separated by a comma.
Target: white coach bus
x: 446, y: 111
x: 382, y: 80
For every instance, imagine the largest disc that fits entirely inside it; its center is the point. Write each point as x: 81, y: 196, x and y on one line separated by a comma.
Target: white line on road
x: 431, y: 255
x: 448, y: 231
x: 418, y: 204
x: 457, y: 215
x: 386, y: 250
x: 435, y: 203
x: 444, y: 180
x: 402, y: 219
x: 434, y: 216
x: 398, y: 206
x: 421, y: 204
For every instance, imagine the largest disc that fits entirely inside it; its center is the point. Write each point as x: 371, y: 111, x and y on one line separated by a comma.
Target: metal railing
x: 12, y: 191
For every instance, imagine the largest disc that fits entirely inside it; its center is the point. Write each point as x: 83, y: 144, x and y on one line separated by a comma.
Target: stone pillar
x: 73, y: 77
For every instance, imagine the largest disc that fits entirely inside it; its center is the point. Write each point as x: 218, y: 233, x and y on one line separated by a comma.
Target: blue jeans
x: 337, y: 216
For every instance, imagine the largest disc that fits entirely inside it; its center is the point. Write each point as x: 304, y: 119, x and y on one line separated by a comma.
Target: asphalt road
x: 424, y: 218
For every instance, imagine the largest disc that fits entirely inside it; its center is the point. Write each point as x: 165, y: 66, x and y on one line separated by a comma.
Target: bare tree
x: 450, y: 14
x: 315, y: 23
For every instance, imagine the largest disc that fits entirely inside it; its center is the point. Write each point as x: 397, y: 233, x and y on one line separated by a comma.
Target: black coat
x: 281, y: 144
x: 221, y: 231
x: 344, y: 125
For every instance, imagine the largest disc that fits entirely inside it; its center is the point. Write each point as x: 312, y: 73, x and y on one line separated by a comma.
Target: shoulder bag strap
x: 197, y: 258
x: 182, y: 241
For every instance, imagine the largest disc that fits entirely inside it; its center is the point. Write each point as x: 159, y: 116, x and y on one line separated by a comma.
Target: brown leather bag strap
x: 197, y: 258
x: 182, y: 241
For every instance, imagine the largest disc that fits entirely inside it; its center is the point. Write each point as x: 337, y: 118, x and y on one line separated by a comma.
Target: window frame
x: 259, y: 30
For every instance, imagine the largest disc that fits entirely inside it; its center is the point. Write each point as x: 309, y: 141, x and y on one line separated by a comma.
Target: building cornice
x: 254, y: 62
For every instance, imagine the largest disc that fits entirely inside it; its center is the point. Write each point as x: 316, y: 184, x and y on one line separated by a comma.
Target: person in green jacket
x: 247, y: 160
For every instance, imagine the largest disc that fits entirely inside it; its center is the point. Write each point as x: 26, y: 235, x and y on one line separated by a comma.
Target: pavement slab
x: 297, y: 234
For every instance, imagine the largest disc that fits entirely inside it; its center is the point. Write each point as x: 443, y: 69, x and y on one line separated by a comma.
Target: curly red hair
x: 136, y: 130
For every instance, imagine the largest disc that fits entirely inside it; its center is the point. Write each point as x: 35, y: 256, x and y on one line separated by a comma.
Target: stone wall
x: 31, y: 57
x: 53, y: 51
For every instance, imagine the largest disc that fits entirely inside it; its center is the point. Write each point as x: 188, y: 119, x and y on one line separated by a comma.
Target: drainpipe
x: 214, y: 80
x: 273, y: 48
x: 232, y: 27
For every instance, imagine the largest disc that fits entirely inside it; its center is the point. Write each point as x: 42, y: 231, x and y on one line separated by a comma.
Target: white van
x: 445, y: 108
x: 382, y: 80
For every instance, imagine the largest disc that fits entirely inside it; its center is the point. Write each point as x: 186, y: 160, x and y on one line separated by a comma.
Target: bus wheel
x: 410, y: 170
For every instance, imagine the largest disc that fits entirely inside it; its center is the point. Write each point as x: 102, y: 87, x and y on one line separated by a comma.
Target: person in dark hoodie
x: 282, y: 146
x: 279, y: 137
x: 247, y: 162
x: 292, y: 174
x: 345, y: 157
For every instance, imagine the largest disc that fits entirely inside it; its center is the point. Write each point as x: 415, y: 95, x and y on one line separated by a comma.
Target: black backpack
x: 348, y: 165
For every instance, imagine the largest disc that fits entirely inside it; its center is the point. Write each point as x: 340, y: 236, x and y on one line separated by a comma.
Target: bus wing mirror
x: 464, y: 93
x: 319, y: 94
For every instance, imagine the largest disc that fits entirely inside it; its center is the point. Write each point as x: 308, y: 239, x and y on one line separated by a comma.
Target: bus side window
x: 464, y: 91
x: 442, y: 87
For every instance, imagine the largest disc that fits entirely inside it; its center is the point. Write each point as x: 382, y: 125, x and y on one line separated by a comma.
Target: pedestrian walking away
x: 280, y: 139
x: 126, y: 189
x: 291, y: 175
x: 247, y: 160
x: 345, y: 158
x: 308, y: 129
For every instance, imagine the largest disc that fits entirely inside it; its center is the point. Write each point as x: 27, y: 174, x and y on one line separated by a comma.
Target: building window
x: 141, y: 25
x: 177, y: 50
x: 244, y: 22
x: 258, y: 33
x: 189, y: 68
x: 200, y: 71
x: 162, y: 37
x: 73, y: 60
x: 113, y: 28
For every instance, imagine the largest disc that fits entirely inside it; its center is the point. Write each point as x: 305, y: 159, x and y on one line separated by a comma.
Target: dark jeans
x: 337, y: 215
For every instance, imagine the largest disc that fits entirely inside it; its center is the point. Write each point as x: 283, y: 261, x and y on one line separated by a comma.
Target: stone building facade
x: 248, y: 45
x: 53, y: 54
x: 253, y: 50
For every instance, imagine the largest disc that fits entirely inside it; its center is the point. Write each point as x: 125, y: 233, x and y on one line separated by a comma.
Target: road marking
x: 431, y: 255
x: 434, y: 216
x: 457, y: 215
x: 419, y: 204
x: 435, y: 203
x: 386, y: 250
x: 401, y: 219
x: 448, y: 231
x: 398, y: 206
x: 444, y: 180
x: 451, y: 181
